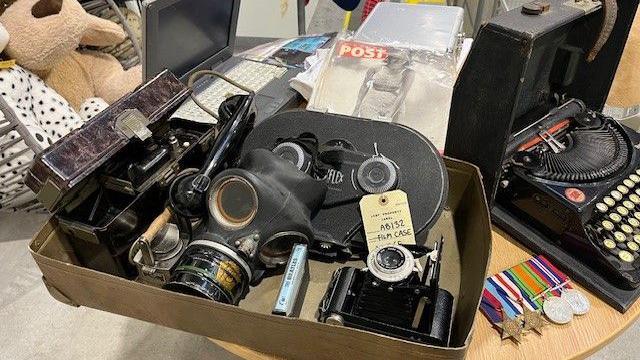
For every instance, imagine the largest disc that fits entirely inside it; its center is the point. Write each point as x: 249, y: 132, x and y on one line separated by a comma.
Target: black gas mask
x: 257, y: 212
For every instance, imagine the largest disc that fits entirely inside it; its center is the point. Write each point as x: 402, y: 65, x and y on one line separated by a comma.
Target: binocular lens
x: 210, y: 270
x: 235, y: 202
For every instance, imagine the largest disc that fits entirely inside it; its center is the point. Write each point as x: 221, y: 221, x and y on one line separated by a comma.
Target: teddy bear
x: 44, y: 36
x: 32, y: 117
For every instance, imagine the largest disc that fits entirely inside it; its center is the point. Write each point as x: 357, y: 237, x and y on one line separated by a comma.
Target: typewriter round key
x: 620, y: 237
x: 635, y: 178
x: 609, y: 201
x: 628, y: 183
x: 622, y: 210
x: 625, y: 256
x: 623, y: 189
x: 617, y: 195
x: 634, y: 198
x: 638, y: 171
x: 602, y: 208
x: 615, y: 217
x: 609, y: 244
x: 633, y: 246
x: 637, y: 191
x: 634, y: 222
x: 608, y: 225
x: 636, y: 238
x: 628, y: 204
x: 626, y: 228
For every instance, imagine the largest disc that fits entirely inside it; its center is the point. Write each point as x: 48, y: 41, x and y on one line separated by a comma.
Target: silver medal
x: 557, y: 310
x: 577, y: 300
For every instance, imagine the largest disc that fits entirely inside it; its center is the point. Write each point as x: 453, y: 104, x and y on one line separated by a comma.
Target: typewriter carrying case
x: 464, y: 223
x: 535, y: 56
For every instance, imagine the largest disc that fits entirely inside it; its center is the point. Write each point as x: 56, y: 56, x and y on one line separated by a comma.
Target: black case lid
x: 516, y: 65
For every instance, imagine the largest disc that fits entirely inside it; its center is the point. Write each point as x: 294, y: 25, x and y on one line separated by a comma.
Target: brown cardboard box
x: 466, y: 228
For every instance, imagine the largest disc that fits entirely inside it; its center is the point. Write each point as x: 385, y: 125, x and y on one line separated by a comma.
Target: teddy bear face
x: 42, y: 32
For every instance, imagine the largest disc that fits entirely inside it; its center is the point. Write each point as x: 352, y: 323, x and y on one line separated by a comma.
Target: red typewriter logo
x: 575, y: 195
x: 360, y: 50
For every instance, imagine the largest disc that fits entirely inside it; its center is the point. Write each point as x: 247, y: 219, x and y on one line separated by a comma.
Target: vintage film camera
x: 356, y: 157
x: 392, y: 296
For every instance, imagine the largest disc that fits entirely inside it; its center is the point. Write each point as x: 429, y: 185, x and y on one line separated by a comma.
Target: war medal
x: 557, y: 310
x: 532, y: 320
x: 579, y: 303
x: 511, y: 328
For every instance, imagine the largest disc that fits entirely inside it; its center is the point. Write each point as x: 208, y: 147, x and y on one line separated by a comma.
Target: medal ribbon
x: 508, y: 306
x: 512, y: 290
x: 496, y: 305
x: 529, y: 286
x: 491, y: 307
x: 548, y: 266
x: 522, y: 285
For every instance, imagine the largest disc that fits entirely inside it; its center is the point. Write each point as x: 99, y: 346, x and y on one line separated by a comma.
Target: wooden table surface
x: 582, y: 337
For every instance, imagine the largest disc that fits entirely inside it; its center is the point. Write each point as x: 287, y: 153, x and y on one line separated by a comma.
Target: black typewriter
x: 575, y: 173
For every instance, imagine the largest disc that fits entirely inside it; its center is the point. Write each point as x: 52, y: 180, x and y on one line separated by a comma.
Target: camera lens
x: 391, y: 264
x: 234, y: 202
x: 211, y: 270
x: 390, y: 258
x: 377, y: 175
x: 295, y: 154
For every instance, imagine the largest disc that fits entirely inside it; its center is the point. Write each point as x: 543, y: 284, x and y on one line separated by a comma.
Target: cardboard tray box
x: 464, y: 224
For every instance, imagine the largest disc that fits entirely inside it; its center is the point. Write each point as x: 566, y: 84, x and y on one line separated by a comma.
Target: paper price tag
x: 7, y: 64
x: 387, y: 219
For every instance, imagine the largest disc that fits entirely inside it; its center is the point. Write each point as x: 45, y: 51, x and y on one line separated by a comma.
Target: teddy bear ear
x: 101, y: 32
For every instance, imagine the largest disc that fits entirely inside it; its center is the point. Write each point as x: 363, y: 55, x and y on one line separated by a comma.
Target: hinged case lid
x: 521, y: 65
x: 63, y: 171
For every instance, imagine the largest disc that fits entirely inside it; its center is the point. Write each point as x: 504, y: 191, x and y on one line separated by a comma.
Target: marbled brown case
x: 76, y: 156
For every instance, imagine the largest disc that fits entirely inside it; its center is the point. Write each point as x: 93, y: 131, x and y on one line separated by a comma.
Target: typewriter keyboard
x: 616, y: 220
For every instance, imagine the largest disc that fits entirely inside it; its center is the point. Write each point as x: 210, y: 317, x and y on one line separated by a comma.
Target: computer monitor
x: 185, y: 36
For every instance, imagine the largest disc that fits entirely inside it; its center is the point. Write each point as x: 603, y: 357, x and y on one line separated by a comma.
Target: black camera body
x: 391, y: 297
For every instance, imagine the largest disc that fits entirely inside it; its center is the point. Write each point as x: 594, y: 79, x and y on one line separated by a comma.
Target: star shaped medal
x: 511, y: 328
x: 533, y: 320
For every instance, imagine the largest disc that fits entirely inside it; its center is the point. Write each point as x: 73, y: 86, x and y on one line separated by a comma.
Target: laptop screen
x: 187, y: 33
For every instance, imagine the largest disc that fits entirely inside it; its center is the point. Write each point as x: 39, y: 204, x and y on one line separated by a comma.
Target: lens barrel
x: 211, y: 270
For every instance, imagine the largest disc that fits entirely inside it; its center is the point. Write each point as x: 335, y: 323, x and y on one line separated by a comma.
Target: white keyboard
x: 251, y: 74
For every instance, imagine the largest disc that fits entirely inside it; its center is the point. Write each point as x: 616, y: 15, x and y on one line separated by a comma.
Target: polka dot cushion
x: 45, y: 115
x: 91, y: 107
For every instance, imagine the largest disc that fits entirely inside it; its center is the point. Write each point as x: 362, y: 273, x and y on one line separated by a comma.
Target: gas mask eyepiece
x: 233, y: 202
x: 257, y: 211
